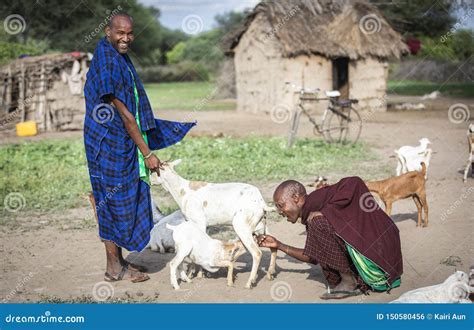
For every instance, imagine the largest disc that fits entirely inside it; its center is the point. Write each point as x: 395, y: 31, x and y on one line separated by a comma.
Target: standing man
x: 357, y: 247
x: 119, y: 133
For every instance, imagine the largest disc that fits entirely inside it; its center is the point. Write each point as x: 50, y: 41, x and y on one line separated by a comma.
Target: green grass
x: 418, y: 88
x: 52, y: 175
x: 186, y: 96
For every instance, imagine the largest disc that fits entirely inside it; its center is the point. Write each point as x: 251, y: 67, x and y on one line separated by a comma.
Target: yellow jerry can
x: 26, y: 128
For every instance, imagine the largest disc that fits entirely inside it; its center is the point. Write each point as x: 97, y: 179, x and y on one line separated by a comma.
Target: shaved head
x: 290, y: 188
x: 121, y: 15
x: 119, y: 32
x: 289, y: 198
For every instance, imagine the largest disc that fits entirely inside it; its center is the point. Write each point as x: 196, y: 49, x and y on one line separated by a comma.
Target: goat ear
x: 175, y: 162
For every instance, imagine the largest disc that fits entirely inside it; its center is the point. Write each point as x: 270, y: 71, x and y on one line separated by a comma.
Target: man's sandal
x: 109, y: 278
x: 141, y: 269
x: 341, y: 294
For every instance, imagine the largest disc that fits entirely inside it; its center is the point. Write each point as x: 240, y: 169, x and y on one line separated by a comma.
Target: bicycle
x: 340, y: 123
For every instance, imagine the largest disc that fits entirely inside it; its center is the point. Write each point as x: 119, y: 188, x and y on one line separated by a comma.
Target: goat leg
x: 272, y: 266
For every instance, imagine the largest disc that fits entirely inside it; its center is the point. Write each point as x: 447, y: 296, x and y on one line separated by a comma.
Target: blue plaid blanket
x: 123, y: 201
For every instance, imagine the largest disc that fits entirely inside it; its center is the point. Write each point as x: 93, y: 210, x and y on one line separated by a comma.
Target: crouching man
x: 356, y: 244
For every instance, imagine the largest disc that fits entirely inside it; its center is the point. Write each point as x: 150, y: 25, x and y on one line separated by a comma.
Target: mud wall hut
x: 47, y: 89
x: 332, y: 45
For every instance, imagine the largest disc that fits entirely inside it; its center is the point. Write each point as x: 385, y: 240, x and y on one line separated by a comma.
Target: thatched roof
x: 337, y: 28
x: 32, y: 64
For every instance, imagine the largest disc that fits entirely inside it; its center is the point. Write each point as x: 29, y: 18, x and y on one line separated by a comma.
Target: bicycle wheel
x: 342, y: 129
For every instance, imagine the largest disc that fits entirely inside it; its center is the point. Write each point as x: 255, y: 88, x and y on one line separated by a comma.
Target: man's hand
x: 154, y: 164
x: 267, y: 241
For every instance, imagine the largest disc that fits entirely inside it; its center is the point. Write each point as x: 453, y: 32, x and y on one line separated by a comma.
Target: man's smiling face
x: 120, y: 33
x: 289, y: 198
x: 288, y: 206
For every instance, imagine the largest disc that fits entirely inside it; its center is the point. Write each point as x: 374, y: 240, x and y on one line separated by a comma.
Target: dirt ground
x: 51, y: 257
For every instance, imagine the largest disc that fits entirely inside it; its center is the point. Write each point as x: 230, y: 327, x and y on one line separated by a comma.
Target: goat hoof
x: 270, y: 277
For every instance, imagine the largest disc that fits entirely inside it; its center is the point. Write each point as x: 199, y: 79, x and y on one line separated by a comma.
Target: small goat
x: 454, y: 290
x: 194, y: 246
x: 239, y: 204
x: 409, y: 158
x: 161, y: 239
x: 319, y: 182
x: 470, y: 161
x: 411, y: 184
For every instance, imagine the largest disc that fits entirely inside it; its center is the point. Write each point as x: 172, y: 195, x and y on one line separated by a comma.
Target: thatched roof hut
x: 47, y: 89
x: 339, y: 44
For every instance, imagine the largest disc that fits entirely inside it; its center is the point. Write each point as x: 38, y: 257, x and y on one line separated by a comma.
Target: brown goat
x: 410, y: 184
x: 91, y: 198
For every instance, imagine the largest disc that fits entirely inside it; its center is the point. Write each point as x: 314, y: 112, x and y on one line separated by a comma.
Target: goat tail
x: 423, y: 168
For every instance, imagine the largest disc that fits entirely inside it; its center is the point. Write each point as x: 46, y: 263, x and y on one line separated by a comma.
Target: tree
x: 176, y: 54
x: 73, y: 25
x: 420, y: 17
x: 463, y: 44
x: 230, y: 20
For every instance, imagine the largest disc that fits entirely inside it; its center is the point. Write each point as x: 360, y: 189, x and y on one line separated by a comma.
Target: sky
x: 176, y: 13
x: 194, y: 16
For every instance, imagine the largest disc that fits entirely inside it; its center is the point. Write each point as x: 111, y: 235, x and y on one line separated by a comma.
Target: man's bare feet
x: 125, y: 274
x: 348, y: 283
x: 347, y: 288
x: 130, y: 265
x: 118, y: 268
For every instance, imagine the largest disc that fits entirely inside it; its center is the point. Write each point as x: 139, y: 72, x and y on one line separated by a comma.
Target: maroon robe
x: 370, y: 231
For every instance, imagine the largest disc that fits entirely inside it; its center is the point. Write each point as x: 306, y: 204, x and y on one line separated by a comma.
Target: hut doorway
x: 340, y: 76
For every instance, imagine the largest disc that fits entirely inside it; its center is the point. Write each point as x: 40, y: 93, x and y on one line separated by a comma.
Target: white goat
x: 454, y: 290
x: 470, y: 161
x: 161, y: 239
x: 195, y: 246
x: 157, y: 215
x: 409, y: 158
x: 205, y: 204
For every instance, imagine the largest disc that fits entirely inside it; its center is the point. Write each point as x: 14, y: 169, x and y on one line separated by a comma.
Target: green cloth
x: 372, y: 274
x: 144, y: 171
